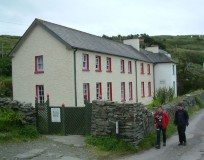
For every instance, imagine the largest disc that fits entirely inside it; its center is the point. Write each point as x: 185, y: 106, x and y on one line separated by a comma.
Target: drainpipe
x: 136, y: 81
x: 154, y: 78
x: 75, y: 88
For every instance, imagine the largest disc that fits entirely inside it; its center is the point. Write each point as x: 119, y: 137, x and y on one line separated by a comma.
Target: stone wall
x: 25, y: 109
x: 135, y: 121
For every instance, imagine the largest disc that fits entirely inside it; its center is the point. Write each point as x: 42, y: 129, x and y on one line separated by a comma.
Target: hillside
x: 7, y: 43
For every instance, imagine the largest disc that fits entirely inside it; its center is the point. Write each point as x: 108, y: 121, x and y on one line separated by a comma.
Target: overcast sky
x: 109, y: 17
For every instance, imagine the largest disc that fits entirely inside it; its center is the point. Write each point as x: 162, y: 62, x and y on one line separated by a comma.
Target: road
x: 193, y: 151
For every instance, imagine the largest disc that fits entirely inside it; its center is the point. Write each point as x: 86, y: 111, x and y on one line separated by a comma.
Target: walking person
x: 181, y: 121
x: 162, y: 120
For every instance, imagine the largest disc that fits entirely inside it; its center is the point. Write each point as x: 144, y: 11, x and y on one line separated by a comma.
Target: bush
x: 164, y: 95
x: 28, y: 131
x: 199, y: 102
x: 5, y: 87
x: 9, y: 119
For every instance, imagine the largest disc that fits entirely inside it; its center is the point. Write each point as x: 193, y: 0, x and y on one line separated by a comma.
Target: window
x: 98, y: 91
x: 86, y: 91
x: 98, y: 63
x: 149, y: 89
x: 108, y: 64
x: 39, y: 64
x: 129, y: 67
x: 148, y: 69
x: 40, y: 93
x: 123, y: 91
x: 109, y: 91
x: 142, y: 89
x: 142, y: 68
x: 130, y: 91
x: 85, y: 62
x: 122, y: 66
x: 173, y: 69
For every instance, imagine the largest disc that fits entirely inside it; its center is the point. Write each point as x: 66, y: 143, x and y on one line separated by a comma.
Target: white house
x: 164, y: 68
x: 71, y: 65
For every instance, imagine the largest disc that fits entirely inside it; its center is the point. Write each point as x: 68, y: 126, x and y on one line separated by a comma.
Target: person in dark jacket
x: 181, y: 121
x: 162, y: 120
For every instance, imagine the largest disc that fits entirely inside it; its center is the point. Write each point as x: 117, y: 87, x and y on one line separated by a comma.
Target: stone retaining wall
x: 25, y: 109
x: 134, y: 119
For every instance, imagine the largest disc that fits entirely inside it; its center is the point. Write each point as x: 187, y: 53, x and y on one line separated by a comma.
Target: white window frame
x: 40, y: 93
x: 85, y: 62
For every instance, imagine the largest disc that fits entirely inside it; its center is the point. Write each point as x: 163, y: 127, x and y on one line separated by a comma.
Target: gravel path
x: 47, y: 148
x: 193, y: 151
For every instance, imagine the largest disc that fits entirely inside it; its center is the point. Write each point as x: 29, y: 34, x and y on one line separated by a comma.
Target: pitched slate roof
x: 160, y: 57
x: 89, y: 42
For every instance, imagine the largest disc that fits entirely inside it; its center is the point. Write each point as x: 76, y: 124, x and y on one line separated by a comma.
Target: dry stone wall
x: 25, y: 109
x: 135, y: 121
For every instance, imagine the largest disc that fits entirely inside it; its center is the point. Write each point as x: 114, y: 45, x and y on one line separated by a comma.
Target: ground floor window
x: 109, y: 91
x: 86, y: 91
x: 122, y: 91
x: 98, y: 91
x: 40, y: 93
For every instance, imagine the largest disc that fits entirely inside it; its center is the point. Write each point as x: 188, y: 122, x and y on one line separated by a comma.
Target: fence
x: 63, y: 120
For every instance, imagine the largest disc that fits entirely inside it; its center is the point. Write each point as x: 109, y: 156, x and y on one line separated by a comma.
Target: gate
x: 64, y: 120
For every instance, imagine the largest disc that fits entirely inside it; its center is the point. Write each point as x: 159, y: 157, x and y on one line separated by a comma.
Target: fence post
x: 36, y: 113
x: 48, y: 113
x: 63, y: 119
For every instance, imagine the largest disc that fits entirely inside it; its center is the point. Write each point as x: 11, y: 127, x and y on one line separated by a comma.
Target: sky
x: 109, y: 17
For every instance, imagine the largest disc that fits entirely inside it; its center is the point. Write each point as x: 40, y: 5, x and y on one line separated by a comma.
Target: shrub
x: 5, y: 87
x: 9, y: 119
x: 199, y: 102
x: 28, y: 131
x: 164, y: 95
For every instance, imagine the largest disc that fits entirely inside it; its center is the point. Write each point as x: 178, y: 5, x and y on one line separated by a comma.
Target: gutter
x: 75, y: 87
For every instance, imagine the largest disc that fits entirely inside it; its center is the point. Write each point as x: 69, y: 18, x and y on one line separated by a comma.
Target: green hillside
x: 7, y: 43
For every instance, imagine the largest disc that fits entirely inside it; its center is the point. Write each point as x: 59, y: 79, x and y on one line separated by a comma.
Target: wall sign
x: 55, y: 115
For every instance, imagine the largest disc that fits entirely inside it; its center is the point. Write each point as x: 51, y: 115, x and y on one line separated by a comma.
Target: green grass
x: 199, y: 103
x: 14, y: 129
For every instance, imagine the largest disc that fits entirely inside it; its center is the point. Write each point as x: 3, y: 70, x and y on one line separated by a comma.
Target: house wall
x: 116, y: 77
x: 164, y: 76
x: 58, y: 69
x: 145, y: 78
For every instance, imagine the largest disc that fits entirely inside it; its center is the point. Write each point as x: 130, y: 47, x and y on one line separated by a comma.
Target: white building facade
x: 71, y: 66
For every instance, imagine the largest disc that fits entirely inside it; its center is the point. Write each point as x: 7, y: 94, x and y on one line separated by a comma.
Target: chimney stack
x: 153, y: 49
x: 135, y: 43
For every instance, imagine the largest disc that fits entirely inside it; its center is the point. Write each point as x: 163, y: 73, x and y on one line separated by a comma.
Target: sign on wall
x: 162, y: 82
x: 55, y: 115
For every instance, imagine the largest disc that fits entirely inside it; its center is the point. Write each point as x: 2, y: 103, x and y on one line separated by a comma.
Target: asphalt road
x: 193, y: 151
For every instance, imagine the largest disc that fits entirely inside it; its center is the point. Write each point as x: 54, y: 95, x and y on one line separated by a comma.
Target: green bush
x: 28, y: 131
x: 164, y: 95
x: 9, y: 119
x: 5, y: 87
x: 199, y: 102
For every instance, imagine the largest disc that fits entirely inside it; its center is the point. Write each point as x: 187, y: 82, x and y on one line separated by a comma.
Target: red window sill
x: 149, y: 95
x: 122, y: 72
x: 129, y: 72
x: 108, y: 71
x: 143, y: 96
x: 149, y: 73
x: 131, y: 99
x: 39, y: 72
x: 123, y: 101
x: 98, y: 70
x: 142, y: 72
x: 85, y: 70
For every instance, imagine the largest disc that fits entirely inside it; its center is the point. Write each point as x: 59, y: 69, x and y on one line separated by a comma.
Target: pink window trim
x: 143, y: 90
x: 122, y: 62
x: 142, y: 68
x: 99, y: 70
x: 130, y: 71
x: 123, y: 100
x: 110, y: 70
x: 148, y: 69
x: 131, y: 94
x: 87, y: 69
x: 36, y: 65
x: 149, y: 89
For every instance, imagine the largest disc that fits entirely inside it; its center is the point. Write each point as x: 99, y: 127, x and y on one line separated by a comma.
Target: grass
x: 19, y: 134
x: 110, y: 145
x: 14, y: 129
